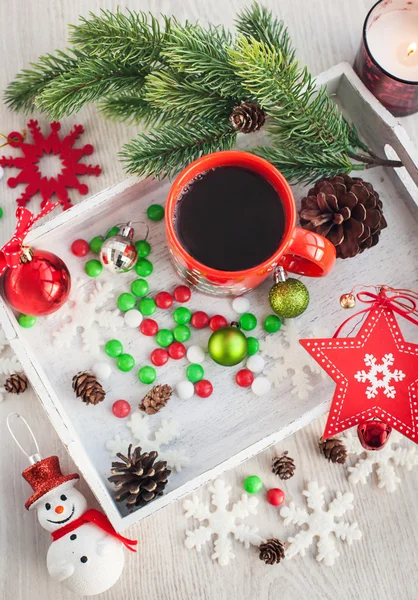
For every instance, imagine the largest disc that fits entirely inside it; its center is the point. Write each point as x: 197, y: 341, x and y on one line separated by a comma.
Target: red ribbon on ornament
x: 11, y: 252
x: 392, y: 303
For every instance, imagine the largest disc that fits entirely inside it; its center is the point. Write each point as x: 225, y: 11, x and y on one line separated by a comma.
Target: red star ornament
x: 376, y: 373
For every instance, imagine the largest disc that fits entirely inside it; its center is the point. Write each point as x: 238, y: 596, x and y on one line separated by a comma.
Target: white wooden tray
x: 232, y: 425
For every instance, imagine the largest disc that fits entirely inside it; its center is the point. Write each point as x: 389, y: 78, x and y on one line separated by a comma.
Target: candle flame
x: 412, y: 48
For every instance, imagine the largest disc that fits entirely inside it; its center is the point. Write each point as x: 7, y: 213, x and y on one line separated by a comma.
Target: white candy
x: 133, y: 318
x: 241, y: 304
x: 102, y: 370
x: 261, y: 386
x: 256, y: 363
x: 185, y: 390
x: 196, y: 354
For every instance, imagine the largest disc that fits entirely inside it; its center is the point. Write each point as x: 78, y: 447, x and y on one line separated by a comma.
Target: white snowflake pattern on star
x: 290, y: 356
x: 85, y: 311
x: 379, y: 376
x: 383, y: 462
x: 320, y: 523
x: 221, y: 522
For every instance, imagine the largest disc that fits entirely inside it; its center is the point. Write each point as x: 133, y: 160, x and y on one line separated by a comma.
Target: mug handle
x: 308, y: 254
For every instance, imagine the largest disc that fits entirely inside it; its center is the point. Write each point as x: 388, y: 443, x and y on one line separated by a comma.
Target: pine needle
x: 130, y: 108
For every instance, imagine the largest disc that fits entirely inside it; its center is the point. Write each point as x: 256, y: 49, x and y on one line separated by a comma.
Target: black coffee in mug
x: 230, y: 219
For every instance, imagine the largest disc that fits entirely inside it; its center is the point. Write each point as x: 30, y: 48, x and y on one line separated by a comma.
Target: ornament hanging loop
x: 280, y: 275
x: 36, y: 456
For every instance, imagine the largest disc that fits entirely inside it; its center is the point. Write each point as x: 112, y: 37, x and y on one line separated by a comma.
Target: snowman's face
x: 60, y: 506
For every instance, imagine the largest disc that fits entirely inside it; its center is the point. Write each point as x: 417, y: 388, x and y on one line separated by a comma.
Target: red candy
x: 159, y: 357
x: 275, y: 496
x: 121, y: 409
x: 182, y: 293
x: 176, y: 350
x: 148, y: 327
x: 200, y: 319
x: 203, y: 388
x: 217, y: 322
x: 164, y: 300
x: 80, y: 247
x: 244, y: 378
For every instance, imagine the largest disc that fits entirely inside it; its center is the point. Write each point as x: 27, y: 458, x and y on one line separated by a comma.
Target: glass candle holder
x: 387, y: 61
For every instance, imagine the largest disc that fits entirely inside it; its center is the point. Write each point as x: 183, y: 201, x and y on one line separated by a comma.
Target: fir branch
x: 130, y: 108
x: 166, y: 151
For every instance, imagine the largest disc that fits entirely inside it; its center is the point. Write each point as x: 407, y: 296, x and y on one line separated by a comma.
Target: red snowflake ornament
x: 376, y: 374
x: 51, y: 144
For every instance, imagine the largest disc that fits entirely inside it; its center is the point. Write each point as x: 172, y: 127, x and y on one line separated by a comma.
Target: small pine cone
x: 88, y: 388
x: 16, y: 383
x: 284, y: 466
x: 334, y: 450
x: 156, y: 399
x: 272, y: 551
x: 247, y: 117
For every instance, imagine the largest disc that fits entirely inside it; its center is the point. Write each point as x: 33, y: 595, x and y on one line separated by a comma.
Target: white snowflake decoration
x: 221, y: 522
x: 384, y: 461
x: 379, y: 376
x: 289, y: 355
x: 86, y: 311
x: 9, y: 364
x: 321, y: 524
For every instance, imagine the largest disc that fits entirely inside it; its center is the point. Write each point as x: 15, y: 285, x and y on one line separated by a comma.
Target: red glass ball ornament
x: 80, y: 247
x: 203, y: 388
x: 148, y: 327
x: 121, y: 409
x: 38, y: 287
x: 176, y: 350
x: 200, y: 319
x: 182, y: 293
x: 164, y: 300
x: 159, y: 357
x: 275, y: 496
x: 244, y: 378
x: 217, y: 322
x: 373, y: 434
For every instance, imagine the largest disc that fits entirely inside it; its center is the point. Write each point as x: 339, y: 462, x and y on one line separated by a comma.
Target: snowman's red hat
x: 44, y: 476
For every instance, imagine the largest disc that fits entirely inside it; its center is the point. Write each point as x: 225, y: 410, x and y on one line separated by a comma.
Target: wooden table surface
x: 383, y: 564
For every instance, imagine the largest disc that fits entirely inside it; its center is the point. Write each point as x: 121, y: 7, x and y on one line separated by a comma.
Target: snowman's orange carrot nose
x: 59, y: 510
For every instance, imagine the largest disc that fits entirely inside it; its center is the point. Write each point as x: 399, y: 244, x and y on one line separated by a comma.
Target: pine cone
x: 272, y: 551
x: 334, y: 450
x: 16, y: 383
x: 345, y: 210
x: 247, y: 117
x: 156, y: 399
x: 138, y: 479
x: 283, y: 466
x: 88, y: 388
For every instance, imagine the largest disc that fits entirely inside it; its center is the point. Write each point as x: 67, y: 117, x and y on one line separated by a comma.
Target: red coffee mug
x: 300, y: 251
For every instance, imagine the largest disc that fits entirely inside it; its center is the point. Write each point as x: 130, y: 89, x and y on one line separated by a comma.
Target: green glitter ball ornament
x: 289, y: 298
x: 227, y: 346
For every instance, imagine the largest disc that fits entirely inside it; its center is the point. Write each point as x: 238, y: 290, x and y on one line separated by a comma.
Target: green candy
x: 125, y: 362
x: 164, y: 338
x: 253, y: 484
x: 93, y: 268
x: 289, y: 298
x: 147, y: 306
x: 182, y: 315
x: 126, y: 302
x: 195, y: 373
x: 144, y: 267
x: 155, y: 212
x: 113, y: 348
x: 1, y: 212
x: 26, y: 321
x: 96, y: 244
x: 248, y: 321
x: 147, y: 375
x: 112, y: 232
x: 181, y: 333
x: 272, y: 324
x: 143, y: 248
x: 139, y: 287
x: 253, y: 346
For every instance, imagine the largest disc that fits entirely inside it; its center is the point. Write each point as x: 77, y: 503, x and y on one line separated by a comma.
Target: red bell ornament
x: 39, y: 285
x: 373, y: 434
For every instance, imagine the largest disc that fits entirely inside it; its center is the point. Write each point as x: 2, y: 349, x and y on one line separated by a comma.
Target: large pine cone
x: 247, y: 117
x: 272, y: 551
x: 88, y: 388
x: 283, y: 466
x: 156, y: 399
x: 16, y: 383
x: 345, y: 210
x: 139, y: 479
x: 334, y: 450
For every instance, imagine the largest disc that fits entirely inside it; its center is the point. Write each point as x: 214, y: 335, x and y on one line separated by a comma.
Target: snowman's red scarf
x: 96, y: 518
